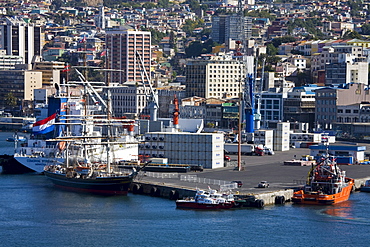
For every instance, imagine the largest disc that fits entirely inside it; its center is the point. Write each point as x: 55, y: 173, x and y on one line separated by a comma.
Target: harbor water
x: 34, y: 213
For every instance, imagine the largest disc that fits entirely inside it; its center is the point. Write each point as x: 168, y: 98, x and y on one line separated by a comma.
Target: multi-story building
x: 126, y: 47
x: 215, y: 76
x: 8, y: 61
x: 21, y: 39
x: 21, y: 84
x: 50, y: 72
x: 271, y: 107
x: 231, y: 27
x: 129, y: 100
x: 299, y: 105
x: 166, y: 97
x: 347, y: 72
x: 339, y: 54
x: 330, y: 102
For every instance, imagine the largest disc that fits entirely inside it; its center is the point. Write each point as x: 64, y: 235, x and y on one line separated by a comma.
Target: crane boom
x: 152, y: 97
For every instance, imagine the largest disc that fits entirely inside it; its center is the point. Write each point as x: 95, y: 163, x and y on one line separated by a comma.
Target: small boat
x: 16, y: 138
x: 366, y: 187
x: 326, y: 184
x: 207, y: 200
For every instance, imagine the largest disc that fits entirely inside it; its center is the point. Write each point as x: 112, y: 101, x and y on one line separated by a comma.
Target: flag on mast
x: 45, y: 125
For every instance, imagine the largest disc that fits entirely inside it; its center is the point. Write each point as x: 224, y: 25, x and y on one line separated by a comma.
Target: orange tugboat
x: 326, y: 184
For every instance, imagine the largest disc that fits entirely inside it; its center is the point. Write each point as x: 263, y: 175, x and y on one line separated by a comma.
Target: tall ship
x: 90, y: 162
x: 66, y: 122
x: 326, y: 184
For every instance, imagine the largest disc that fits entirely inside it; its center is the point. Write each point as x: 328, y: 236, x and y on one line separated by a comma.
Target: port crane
x: 152, y: 97
x: 258, y: 96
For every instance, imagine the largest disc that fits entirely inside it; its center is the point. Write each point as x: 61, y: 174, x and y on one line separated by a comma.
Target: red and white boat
x: 207, y: 200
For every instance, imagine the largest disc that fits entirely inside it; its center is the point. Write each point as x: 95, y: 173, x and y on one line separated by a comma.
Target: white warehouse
x: 205, y: 149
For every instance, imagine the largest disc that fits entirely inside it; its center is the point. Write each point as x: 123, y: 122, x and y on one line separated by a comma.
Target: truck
x: 244, y: 148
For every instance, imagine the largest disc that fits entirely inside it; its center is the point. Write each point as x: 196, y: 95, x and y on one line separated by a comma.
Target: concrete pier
x: 283, y: 179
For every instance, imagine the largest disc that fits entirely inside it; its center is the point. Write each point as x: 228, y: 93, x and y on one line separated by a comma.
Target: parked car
x: 268, y: 151
x: 239, y: 183
x: 196, y: 168
x: 263, y: 184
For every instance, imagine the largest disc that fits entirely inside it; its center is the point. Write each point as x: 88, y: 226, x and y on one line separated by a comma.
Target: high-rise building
x: 231, y: 27
x: 20, y: 38
x: 126, y: 48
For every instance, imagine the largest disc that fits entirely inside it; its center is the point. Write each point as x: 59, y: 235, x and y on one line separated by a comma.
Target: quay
x: 282, y: 179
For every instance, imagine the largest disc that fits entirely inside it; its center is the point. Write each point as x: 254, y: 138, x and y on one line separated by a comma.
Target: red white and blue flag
x: 45, y: 125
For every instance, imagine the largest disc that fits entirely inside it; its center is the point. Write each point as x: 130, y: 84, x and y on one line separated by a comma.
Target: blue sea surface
x: 34, y: 213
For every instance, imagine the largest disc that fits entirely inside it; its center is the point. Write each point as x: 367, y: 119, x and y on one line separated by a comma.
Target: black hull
x: 103, y: 186
x: 12, y: 166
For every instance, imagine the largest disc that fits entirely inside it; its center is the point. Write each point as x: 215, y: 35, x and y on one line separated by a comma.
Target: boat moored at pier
x: 365, y: 187
x: 90, y: 179
x: 326, y: 184
x: 207, y: 200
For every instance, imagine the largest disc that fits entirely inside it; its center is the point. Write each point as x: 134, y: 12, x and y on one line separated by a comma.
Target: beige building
x: 21, y: 83
x: 50, y: 72
x: 215, y: 76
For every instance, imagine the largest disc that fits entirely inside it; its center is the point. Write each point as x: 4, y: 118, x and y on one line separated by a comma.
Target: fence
x: 224, y: 185
x: 159, y: 175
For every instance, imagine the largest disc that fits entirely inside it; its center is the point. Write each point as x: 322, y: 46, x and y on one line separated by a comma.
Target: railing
x: 158, y: 175
x: 224, y: 185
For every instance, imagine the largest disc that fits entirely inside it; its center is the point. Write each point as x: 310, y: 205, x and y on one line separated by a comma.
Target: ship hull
x: 194, y: 205
x: 37, y: 164
x: 11, y: 166
x: 103, y: 185
x: 315, y: 198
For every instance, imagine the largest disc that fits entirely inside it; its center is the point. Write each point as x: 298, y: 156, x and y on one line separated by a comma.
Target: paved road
x: 259, y: 168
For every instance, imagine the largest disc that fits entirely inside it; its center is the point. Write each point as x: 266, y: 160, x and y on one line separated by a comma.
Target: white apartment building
x: 216, y: 76
x: 21, y: 39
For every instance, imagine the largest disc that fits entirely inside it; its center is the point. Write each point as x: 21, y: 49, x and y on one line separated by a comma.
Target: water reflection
x: 341, y: 210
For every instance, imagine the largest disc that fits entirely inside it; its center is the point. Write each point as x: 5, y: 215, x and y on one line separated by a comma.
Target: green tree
x: 271, y: 50
x: 163, y: 3
x: 173, y: 40
x: 281, y: 40
x: 189, y: 25
x: 10, y: 100
x: 196, y: 48
x: 149, y: 5
x: 352, y: 35
x: 157, y: 36
x: 365, y: 29
x: 259, y: 14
